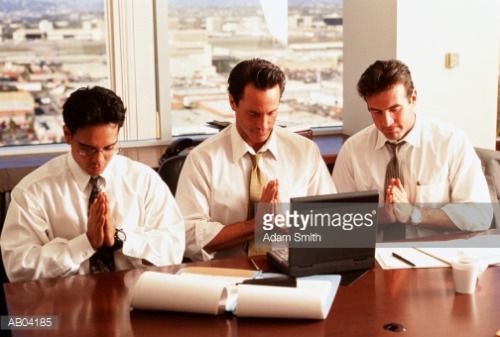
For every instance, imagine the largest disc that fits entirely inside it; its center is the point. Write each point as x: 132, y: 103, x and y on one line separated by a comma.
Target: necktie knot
x: 394, y: 147
x: 255, y: 159
x: 98, y: 183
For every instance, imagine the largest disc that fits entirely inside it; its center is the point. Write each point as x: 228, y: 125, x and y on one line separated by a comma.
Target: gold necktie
x: 257, y: 183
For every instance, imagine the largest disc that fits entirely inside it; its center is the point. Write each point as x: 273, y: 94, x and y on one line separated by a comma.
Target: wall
x: 420, y: 33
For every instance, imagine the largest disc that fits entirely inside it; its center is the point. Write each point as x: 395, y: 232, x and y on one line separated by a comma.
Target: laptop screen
x: 340, y: 220
x: 357, y: 248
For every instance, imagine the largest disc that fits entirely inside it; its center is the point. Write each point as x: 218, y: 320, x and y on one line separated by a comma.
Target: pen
x: 255, y: 264
x: 280, y: 281
x: 400, y: 258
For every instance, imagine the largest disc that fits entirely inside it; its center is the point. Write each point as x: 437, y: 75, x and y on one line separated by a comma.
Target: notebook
x: 310, y: 261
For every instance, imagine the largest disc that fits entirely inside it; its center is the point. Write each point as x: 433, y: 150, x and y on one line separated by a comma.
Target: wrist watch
x: 120, y: 238
x: 416, y: 216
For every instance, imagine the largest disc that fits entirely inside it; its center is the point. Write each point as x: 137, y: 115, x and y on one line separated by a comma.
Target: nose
x: 388, y: 119
x: 262, y: 122
x: 98, y: 156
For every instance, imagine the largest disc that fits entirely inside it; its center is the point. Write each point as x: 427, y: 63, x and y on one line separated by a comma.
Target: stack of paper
x: 310, y: 299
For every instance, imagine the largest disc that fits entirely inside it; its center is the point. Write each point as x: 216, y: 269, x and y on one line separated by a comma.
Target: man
x: 440, y: 183
x: 61, y: 222
x: 213, y: 191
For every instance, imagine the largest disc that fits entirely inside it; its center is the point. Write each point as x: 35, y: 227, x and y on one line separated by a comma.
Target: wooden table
x: 423, y: 300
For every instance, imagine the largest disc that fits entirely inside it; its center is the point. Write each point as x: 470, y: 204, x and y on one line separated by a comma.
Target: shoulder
x: 127, y: 168
x: 213, y: 146
x: 441, y: 130
x: 292, y: 140
x: 365, y: 136
x: 45, y: 173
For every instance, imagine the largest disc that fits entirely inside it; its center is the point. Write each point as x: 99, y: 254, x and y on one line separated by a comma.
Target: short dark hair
x: 261, y: 73
x: 382, y: 75
x: 93, y: 106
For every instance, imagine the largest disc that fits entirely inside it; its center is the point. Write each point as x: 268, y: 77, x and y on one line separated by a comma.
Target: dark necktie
x: 257, y: 183
x: 393, y: 167
x: 103, y: 259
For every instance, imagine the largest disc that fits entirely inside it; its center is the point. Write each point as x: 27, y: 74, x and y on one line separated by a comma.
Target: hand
x: 100, y: 227
x: 270, y: 193
x: 399, y: 199
x: 269, y: 202
x: 109, y: 226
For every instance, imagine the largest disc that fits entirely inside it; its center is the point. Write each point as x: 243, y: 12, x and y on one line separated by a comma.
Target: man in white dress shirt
x: 51, y: 229
x: 213, y: 189
x: 444, y: 187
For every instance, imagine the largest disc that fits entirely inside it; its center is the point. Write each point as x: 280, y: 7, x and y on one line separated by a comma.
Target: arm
x: 321, y: 181
x: 397, y: 199
x: 342, y: 174
x: 160, y: 239
x: 31, y: 250
x: 241, y: 232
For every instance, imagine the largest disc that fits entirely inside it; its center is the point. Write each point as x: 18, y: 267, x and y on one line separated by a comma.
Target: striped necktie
x: 394, y: 166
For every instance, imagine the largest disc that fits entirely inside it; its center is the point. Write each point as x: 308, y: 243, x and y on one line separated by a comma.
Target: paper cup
x: 465, y: 274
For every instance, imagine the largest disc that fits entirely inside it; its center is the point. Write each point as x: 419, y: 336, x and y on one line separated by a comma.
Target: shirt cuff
x: 80, y: 248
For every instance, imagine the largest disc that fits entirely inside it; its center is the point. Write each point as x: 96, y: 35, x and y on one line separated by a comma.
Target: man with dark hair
x: 215, y: 192
x: 90, y: 210
x: 426, y: 171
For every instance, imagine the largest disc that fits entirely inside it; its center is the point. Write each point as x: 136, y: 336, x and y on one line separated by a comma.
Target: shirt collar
x: 240, y: 147
x: 82, y: 178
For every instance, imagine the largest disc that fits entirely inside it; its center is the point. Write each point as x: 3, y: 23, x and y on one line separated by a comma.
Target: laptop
x: 296, y: 261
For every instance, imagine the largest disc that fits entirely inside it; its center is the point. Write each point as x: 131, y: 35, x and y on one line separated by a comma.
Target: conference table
x: 423, y: 301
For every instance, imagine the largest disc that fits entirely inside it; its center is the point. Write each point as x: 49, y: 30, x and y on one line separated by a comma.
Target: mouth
x: 95, y: 170
x: 259, y: 132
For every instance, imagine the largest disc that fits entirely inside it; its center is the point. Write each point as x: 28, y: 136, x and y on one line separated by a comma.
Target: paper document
x: 433, y: 254
x: 386, y: 260
x: 310, y: 299
x: 489, y: 256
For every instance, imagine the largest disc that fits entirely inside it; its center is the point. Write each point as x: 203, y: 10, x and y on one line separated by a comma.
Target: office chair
x: 179, y: 146
x: 172, y: 160
x: 490, y: 162
x: 170, y: 170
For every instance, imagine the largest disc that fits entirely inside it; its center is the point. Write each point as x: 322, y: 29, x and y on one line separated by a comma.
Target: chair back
x: 170, y: 171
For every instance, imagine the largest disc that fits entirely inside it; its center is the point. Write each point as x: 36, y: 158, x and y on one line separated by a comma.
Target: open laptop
x: 309, y: 261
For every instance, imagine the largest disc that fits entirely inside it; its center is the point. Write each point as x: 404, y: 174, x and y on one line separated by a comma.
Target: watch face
x: 416, y: 216
x: 120, y: 235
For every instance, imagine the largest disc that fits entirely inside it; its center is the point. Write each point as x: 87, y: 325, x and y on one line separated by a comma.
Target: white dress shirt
x: 440, y: 167
x: 44, y: 234
x: 213, y: 186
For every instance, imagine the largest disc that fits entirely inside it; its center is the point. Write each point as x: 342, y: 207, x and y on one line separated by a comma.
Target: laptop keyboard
x: 394, y: 232
x: 282, y: 254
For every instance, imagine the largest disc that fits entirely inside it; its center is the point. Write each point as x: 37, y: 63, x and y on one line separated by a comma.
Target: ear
x: 413, y: 97
x: 67, y: 134
x: 232, y: 103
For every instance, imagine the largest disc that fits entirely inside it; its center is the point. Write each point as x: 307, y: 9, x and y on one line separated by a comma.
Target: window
x: 168, y: 59
x: 48, y: 49
x: 208, y: 37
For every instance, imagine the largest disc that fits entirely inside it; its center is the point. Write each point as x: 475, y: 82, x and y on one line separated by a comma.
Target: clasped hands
x: 397, y: 207
x: 269, y: 202
x: 100, y: 226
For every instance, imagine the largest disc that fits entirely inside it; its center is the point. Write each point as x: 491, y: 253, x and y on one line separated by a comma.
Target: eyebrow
x: 389, y: 108
x: 262, y: 113
x: 92, y: 147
